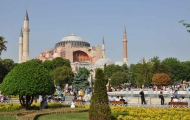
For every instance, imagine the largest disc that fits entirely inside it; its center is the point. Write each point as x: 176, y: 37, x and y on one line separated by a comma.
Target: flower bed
x: 135, y: 113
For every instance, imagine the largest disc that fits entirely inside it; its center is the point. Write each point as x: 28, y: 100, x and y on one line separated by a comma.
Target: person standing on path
x: 161, y: 96
x: 142, y: 97
x: 172, y: 94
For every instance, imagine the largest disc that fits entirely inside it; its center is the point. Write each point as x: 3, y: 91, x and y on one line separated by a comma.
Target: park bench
x: 178, y: 104
x: 78, y: 101
x: 116, y: 102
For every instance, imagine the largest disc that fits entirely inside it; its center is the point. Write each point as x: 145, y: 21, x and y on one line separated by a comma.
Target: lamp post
x: 91, y: 75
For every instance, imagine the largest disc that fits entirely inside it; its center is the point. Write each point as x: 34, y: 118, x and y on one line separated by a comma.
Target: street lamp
x: 91, y: 75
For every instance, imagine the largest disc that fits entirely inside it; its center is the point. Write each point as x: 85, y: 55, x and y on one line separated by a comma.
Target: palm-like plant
x: 2, y: 44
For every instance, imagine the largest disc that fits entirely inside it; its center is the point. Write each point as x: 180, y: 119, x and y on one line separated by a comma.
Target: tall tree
x: 175, y: 68
x: 28, y: 79
x: 185, y: 24
x: 118, y: 78
x: 80, y: 80
x: 62, y: 76
x: 110, y: 69
x: 143, y: 74
x: 2, y: 44
x: 99, y: 105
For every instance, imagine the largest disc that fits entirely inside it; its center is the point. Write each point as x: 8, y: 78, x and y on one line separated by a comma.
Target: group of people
x: 174, y: 97
x: 80, y: 95
x: 117, y: 99
x: 4, y: 98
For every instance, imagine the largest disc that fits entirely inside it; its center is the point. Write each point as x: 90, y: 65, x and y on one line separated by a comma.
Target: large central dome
x: 73, y: 37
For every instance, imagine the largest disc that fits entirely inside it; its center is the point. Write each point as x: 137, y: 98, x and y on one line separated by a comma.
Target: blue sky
x: 152, y: 26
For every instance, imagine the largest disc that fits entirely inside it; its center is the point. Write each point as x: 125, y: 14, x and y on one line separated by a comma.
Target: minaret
x: 125, y: 60
x: 20, y: 47
x: 103, y: 49
x: 26, y: 31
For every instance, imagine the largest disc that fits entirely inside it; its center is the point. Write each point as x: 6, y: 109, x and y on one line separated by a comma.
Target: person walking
x: 172, y: 94
x: 142, y: 97
x: 161, y: 96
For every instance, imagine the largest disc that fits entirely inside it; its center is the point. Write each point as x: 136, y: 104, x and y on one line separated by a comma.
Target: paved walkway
x: 148, y: 100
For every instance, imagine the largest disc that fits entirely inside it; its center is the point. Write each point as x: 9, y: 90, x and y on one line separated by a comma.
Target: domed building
x: 72, y: 47
x: 103, y: 61
x: 76, y: 50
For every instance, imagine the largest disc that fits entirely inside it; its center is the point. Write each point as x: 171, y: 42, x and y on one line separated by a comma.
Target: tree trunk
x: 26, y: 101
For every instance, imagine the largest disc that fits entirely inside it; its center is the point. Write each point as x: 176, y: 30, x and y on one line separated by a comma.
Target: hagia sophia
x: 72, y: 47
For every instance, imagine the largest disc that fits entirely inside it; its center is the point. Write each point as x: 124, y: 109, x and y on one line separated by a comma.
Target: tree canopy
x: 118, y: 78
x: 80, y: 80
x: 161, y: 79
x: 62, y: 76
x: 29, y: 78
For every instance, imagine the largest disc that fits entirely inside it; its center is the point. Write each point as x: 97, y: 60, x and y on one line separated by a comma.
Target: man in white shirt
x: 112, y: 99
x: 183, y: 100
x: 175, y: 99
x: 117, y: 99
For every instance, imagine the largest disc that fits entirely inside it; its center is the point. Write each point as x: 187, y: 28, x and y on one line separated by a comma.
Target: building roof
x: 73, y: 37
x: 103, y: 61
x: 119, y: 63
x: 26, y: 16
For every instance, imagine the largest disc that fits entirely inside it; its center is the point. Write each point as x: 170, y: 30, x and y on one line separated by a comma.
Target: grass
x: 8, y: 118
x: 72, y: 116
x: 65, y: 116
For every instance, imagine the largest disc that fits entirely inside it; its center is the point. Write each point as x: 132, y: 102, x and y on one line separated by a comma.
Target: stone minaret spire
x: 125, y: 58
x: 103, y: 49
x: 26, y: 31
x: 20, y: 47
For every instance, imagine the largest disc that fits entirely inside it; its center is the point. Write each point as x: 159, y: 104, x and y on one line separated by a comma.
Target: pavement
x: 132, y: 100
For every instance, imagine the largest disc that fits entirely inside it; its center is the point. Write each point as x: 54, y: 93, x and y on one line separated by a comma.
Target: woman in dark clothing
x: 161, y: 96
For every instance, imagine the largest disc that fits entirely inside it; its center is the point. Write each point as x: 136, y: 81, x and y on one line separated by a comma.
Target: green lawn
x: 8, y: 118
x: 65, y: 116
x: 72, y: 116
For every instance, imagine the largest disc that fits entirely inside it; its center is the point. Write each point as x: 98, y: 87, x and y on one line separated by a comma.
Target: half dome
x: 103, y: 61
x: 119, y: 63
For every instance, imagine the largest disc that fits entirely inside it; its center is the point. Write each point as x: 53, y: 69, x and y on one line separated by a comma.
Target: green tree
x: 80, y: 80
x: 185, y: 24
x: 6, y: 66
x: 161, y: 79
x: 99, y: 106
x: 86, y: 71
x: 118, y: 78
x: 28, y: 79
x: 143, y: 73
x: 187, y: 64
x: 2, y: 44
x: 110, y: 69
x: 59, y: 62
x: 62, y: 76
x: 155, y: 59
x: 175, y: 68
x: 48, y: 64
